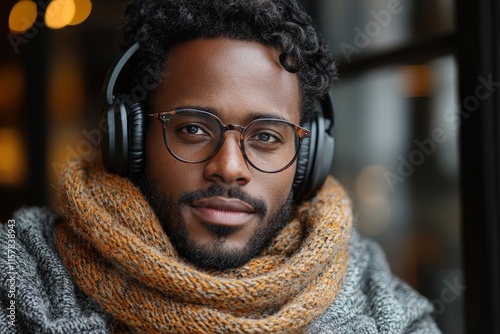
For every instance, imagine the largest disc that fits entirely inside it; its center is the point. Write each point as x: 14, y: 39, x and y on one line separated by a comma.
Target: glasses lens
x: 192, y: 136
x: 270, y: 145
x: 195, y: 136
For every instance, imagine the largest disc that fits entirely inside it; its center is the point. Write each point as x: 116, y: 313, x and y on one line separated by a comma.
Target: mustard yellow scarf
x: 117, y: 252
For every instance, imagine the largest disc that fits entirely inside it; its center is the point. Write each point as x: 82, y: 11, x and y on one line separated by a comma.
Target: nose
x: 228, y: 165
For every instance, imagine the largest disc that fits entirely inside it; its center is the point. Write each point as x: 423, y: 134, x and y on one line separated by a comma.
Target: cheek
x: 155, y: 151
x: 162, y: 166
x: 278, y: 186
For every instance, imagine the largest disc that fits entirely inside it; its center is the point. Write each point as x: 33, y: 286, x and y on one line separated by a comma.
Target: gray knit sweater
x: 37, y: 294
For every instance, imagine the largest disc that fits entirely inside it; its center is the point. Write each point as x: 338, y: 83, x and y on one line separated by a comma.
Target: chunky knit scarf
x: 117, y: 252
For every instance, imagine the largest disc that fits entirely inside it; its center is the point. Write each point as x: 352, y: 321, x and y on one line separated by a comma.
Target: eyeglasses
x: 194, y: 136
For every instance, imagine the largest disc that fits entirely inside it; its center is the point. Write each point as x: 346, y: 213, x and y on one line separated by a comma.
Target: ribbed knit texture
x: 45, y: 298
x: 117, y: 253
x: 372, y: 300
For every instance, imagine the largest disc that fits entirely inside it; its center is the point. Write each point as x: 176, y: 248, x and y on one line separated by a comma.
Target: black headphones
x: 122, y: 144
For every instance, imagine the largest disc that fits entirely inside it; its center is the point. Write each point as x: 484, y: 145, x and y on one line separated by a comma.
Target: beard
x: 214, y: 255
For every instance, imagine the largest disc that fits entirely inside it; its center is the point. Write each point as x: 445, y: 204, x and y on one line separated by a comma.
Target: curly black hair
x: 159, y: 25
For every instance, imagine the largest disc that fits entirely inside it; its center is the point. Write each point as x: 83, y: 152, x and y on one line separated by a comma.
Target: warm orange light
x: 22, y: 16
x: 66, y: 89
x: 59, y: 13
x: 82, y: 11
x: 13, y: 161
x: 418, y: 80
x: 12, y: 82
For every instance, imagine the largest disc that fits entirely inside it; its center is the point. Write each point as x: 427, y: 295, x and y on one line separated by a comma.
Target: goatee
x: 214, y: 255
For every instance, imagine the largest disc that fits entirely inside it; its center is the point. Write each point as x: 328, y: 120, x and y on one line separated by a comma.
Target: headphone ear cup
x: 114, y: 146
x: 122, y: 125
x: 107, y: 132
x: 323, y: 157
x: 122, y: 146
x: 314, y: 161
x: 136, y: 140
x: 303, y: 162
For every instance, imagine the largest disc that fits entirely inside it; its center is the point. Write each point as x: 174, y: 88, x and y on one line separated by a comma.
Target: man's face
x: 222, y: 212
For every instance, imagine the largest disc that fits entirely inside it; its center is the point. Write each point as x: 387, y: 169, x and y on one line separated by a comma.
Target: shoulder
x: 36, y: 292
x: 373, y: 300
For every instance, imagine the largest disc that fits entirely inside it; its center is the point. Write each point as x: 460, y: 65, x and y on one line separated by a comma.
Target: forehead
x: 229, y: 75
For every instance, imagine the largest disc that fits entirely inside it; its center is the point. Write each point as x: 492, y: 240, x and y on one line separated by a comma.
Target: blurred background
x: 399, y: 118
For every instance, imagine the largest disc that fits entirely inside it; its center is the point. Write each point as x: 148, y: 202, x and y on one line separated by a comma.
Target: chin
x: 222, y: 248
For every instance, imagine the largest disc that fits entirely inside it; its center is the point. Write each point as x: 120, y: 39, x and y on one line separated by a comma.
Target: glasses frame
x: 164, y: 117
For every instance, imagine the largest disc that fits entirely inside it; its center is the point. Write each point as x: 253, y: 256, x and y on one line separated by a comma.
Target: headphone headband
x: 327, y: 109
x: 115, y: 70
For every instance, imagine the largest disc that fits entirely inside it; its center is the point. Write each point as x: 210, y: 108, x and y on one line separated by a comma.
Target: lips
x: 223, y: 211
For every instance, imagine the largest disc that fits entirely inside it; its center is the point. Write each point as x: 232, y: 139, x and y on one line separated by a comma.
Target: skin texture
x: 222, y: 212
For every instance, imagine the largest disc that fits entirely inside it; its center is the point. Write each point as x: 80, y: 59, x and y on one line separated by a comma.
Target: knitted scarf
x: 117, y: 252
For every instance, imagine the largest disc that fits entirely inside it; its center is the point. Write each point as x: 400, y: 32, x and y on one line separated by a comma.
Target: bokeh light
x: 13, y: 162
x: 82, y: 11
x: 59, y: 13
x: 22, y: 16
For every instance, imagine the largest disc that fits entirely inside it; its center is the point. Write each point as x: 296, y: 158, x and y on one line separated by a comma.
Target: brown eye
x: 193, y: 130
x: 265, y: 137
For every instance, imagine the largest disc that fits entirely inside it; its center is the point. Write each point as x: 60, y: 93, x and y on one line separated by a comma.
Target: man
x: 207, y: 232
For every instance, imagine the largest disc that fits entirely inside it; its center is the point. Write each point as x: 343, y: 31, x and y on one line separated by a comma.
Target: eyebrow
x: 250, y: 117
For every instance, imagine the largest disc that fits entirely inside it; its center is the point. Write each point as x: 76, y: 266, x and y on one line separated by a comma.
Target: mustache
x: 218, y: 190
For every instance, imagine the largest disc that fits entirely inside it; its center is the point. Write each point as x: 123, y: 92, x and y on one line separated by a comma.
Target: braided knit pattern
x: 117, y: 252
